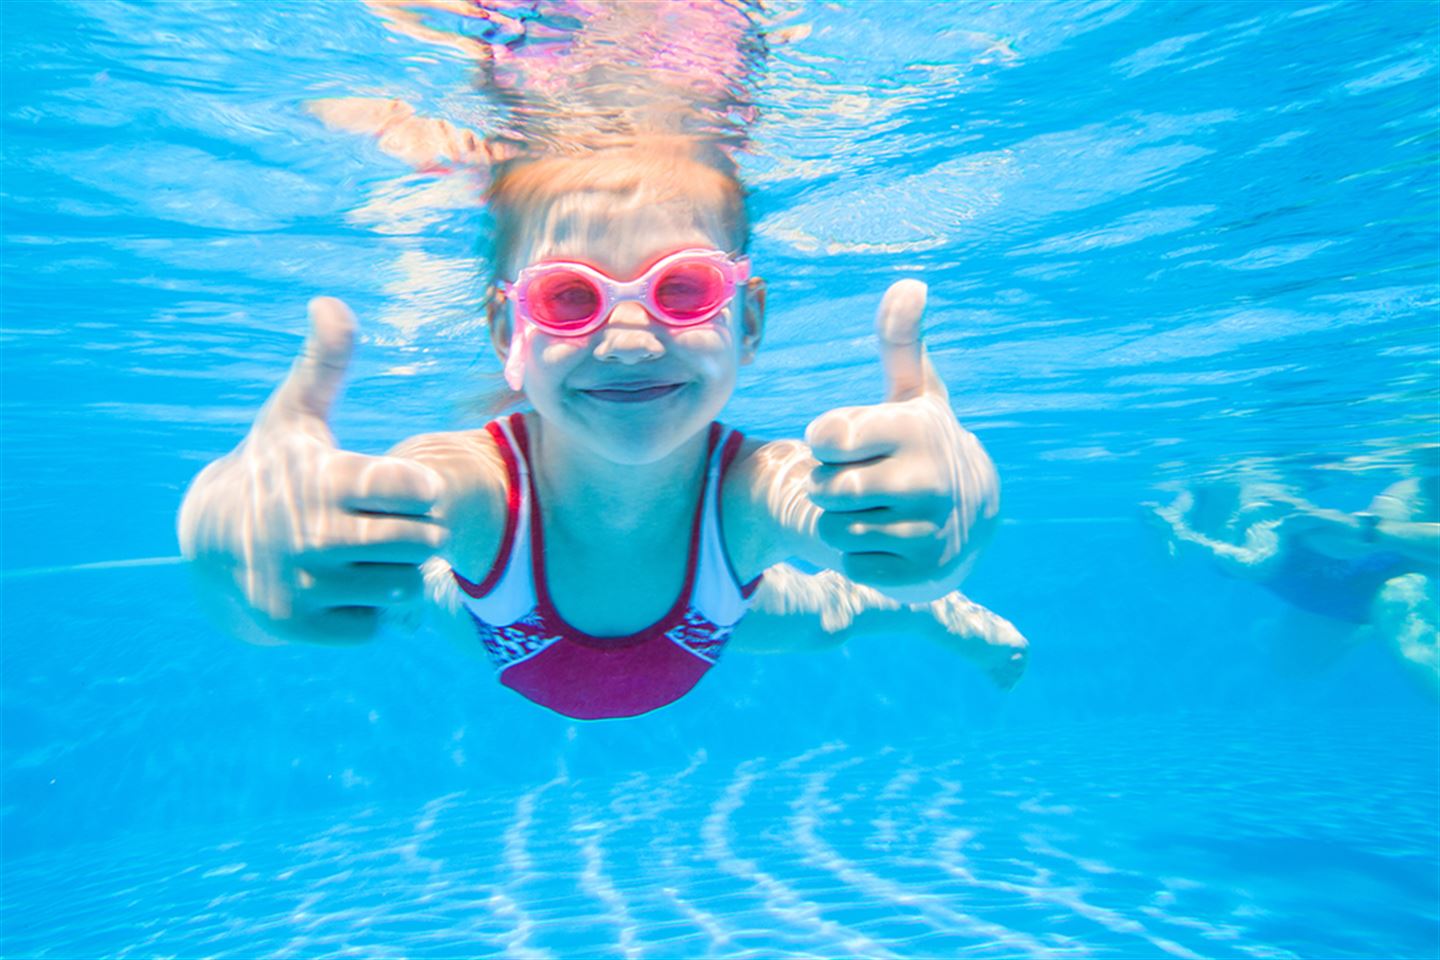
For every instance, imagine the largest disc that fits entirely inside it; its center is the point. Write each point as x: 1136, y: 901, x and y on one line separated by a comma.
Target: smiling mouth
x: 632, y: 394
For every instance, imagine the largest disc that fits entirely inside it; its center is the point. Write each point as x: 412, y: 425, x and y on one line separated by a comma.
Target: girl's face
x: 635, y: 389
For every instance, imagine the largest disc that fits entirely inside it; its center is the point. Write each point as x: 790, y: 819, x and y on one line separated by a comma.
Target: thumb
x: 315, y: 378
x: 902, y: 350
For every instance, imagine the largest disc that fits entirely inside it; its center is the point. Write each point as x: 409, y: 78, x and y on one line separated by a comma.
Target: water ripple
x: 1077, y: 844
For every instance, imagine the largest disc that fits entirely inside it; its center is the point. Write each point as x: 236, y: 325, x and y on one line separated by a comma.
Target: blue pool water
x: 1162, y: 240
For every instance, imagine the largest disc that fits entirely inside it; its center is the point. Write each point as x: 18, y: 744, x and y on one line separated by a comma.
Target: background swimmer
x: 1344, y: 576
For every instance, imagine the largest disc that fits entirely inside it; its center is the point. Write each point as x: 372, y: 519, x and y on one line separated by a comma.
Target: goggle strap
x: 515, y: 360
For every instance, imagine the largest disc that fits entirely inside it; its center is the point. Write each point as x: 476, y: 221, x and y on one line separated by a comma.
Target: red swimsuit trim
x: 727, y: 455
x: 512, y: 516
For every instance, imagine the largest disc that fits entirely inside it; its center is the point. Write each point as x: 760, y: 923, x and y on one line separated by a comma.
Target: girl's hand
x: 908, y: 495
x: 295, y: 539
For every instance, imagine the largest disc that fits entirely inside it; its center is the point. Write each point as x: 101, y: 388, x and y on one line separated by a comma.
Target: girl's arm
x: 473, y: 506
x: 799, y: 612
x: 291, y: 538
x: 897, y: 496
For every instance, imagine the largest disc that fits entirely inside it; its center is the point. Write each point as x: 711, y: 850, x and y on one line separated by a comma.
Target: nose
x: 629, y: 336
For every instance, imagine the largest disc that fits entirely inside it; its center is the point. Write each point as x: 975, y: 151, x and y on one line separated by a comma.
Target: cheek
x: 709, y: 341
x: 710, y: 350
x: 704, y: 342
x: 556, y: 356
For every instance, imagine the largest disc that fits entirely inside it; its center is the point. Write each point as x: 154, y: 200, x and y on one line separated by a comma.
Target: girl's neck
x: 584, y: 494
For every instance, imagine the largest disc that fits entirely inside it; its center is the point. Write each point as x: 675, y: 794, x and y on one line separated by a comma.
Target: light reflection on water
x: 1102, y: 197
x: 1008, y: 849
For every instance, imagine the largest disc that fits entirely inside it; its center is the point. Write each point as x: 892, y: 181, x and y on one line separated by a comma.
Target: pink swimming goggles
x: 567, y: 299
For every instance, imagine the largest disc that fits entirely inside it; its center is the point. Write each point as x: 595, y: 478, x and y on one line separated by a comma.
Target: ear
x: 497, y: 317
x: 752, y: 319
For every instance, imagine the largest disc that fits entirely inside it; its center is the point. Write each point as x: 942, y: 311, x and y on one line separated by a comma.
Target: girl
x: 604, y: 547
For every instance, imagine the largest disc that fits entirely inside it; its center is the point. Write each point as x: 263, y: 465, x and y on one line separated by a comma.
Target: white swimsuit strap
x: 514, y: 596
x: 716, y: 594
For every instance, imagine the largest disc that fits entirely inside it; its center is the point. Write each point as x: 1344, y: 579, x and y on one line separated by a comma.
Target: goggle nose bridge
x: 627, y: 291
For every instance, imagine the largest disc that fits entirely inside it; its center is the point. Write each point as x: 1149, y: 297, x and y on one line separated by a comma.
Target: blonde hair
x: 657, y: 169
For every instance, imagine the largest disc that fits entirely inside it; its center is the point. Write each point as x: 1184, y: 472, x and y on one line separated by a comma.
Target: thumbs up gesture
x: 295, y: 539
x: 906, y: 494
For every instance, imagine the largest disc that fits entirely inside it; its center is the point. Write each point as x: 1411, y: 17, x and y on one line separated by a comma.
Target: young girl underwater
x: 605, y: 546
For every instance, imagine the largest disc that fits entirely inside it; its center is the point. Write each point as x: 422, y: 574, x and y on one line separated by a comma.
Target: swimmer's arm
x: 472, y: 506
x: 769, y: 517
x: 1259, y: 547
x: 1396, y: 528
x: 290, y: 537
x: 1248, y: 558
x: 798, y: 612
x: 1387, y: 525
x: 767, y: 493
x: 897, y: 495
x: 1417, y: 541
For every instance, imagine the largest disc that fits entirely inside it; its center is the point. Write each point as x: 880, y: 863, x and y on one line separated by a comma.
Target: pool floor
x: 1188, y: 837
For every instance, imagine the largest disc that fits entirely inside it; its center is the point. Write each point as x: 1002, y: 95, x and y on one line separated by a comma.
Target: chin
x: 642, y: 433
x: 637, y: 433
x: 637, y: 442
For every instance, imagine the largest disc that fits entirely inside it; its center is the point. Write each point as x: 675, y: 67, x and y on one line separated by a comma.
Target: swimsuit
x: 554, y: 664
x: 1331, y: 587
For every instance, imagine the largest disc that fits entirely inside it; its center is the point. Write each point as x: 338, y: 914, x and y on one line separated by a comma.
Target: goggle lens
x: 564, y: 299
x: 685, y: 288
x: 690, y: 290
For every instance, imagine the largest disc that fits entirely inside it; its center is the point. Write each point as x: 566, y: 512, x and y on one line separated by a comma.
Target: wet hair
x: 657, y: 169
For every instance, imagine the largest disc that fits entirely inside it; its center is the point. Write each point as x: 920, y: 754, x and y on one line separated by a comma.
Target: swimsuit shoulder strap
x: 717, y: 592
x: 507, y: 593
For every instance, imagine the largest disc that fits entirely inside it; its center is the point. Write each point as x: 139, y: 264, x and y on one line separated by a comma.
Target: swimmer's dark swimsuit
x: 1331, y: 587
x: 547, y: 660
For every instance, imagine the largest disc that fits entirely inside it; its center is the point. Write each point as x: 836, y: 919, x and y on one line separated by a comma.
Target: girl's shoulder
x: 763, y: 474
x: 757, y: 451
x: 749, y: 465
x: 463, y: 457
x: 474, y: 503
